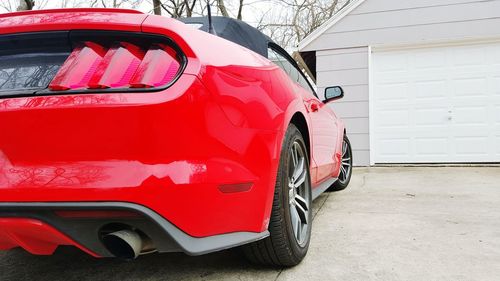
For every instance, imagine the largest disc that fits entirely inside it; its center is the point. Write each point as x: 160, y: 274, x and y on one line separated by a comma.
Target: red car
x: 124, y: 133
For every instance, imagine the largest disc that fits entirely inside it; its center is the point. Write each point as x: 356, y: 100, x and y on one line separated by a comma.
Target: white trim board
x: 433, y: 44
x: 370, y: 107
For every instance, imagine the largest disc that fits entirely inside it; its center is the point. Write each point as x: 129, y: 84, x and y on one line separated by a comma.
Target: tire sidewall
x: 298, y: 250
x: 346, y: 183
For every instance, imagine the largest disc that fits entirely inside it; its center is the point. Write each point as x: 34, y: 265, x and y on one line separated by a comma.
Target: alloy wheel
x: 346, y: 165
x: 299, y: 192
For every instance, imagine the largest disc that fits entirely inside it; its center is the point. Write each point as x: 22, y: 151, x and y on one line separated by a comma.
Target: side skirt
x: 322, y: 187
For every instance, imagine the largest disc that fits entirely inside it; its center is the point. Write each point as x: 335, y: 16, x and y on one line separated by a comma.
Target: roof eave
x: 328, y: 24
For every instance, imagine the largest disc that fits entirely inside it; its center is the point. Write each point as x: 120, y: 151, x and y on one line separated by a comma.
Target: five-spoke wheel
x: 298, y: 192
x: 345, y: 167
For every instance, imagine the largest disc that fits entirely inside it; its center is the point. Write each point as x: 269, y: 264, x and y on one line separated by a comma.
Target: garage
x: 421, y: 79
x: 437, y: 104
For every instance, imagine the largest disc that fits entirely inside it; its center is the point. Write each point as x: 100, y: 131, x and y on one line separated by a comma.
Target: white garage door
x: 436, y: 105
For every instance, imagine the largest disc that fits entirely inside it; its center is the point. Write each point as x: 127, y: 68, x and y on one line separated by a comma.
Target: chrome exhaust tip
x: 124, y: 244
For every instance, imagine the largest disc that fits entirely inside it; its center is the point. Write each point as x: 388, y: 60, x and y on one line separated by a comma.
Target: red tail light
x: 157, y: 68
x: 117, y: 65
x: 79, y: 68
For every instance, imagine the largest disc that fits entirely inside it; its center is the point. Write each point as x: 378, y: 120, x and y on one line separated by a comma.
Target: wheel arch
x: 300, y: 122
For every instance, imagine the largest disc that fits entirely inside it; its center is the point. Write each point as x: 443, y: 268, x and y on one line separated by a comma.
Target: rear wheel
x: 345, y: 167
x: 291, y: 217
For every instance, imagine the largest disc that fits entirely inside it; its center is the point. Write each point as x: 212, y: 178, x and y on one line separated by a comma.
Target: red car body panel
x: 68, y: 19
x: 222, y: 123
x: 34, y: 236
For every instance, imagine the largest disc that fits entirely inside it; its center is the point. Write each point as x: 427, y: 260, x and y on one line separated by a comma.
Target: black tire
x: 284, y: 247
x: 344, y: 179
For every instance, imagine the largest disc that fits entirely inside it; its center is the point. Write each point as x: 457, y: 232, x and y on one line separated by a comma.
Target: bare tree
x: 21, y: 5
x: 222, y: 8
x: 175, y: 8
x: 6, y: 5
x: 297, y: 18
x: 25, y: 5
x: 189, y: 8
x: 157, y: 7
x: 240, y: 10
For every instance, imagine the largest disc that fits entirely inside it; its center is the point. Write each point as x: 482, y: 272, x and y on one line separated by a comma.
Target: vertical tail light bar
x: 117, y: 64
x: 79, y: 67
x: 117, y: 67
x: 157, y: 68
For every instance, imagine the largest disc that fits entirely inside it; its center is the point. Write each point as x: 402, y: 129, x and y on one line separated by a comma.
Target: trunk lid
x: 71, y: 19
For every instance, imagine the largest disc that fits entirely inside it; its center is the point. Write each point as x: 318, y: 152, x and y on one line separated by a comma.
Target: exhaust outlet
x: 126, y: 244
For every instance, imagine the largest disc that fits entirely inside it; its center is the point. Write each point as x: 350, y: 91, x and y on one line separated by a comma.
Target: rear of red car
x: 108, y: 125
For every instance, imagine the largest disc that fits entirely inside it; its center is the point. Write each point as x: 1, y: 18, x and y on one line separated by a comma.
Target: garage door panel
x: 470, y: 115
x: 428, y: 59
x: 437, y: 104
x: 471, y: 87
x: 425, y: 117
x: 393, y: 92
x: 397, y: 61
x: 430, y: 90
x: 497, y: 141
x: 496, y: 86
x: 431, y: 146
x: 468, y: 55
x: 497, y: 114
x: 394, y: 147
x: 471, y: 146
x: 391, y: 119
x: 495, y: 58
x: 389, y: 79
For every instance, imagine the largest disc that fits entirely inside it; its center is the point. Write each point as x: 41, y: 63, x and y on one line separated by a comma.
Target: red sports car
x: 124, y: 133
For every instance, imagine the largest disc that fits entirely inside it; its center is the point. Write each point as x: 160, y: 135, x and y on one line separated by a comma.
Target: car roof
x: 235, y: 31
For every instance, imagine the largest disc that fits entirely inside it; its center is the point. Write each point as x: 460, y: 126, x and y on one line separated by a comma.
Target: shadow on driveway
x: 69, y: 263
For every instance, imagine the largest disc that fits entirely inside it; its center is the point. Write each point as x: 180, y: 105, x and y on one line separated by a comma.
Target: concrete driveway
x: 390, y: 224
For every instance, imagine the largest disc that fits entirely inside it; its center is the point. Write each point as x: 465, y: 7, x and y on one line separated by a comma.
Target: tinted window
x: 289, y: 68
x: 29, y: 71
x: 29, y: 61
x: 303, y: 82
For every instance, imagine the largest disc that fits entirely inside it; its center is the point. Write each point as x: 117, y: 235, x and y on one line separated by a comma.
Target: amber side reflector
x: 237, y: 187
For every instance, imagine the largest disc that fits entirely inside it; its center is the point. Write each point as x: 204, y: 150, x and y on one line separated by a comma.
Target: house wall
x: 349, y: 69
x: 342, y: 51
x: 389, y: 22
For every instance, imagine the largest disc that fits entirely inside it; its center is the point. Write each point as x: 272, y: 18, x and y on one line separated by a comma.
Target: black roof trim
x: 235, y: 31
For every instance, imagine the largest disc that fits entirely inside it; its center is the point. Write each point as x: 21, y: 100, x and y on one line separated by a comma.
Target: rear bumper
x: 36, y: 228
x: 170, y: 151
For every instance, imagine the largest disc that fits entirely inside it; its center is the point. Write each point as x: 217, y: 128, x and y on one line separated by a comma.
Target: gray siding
x: 386, y: 22
x: 349, y: 69
x: 342, y: 52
